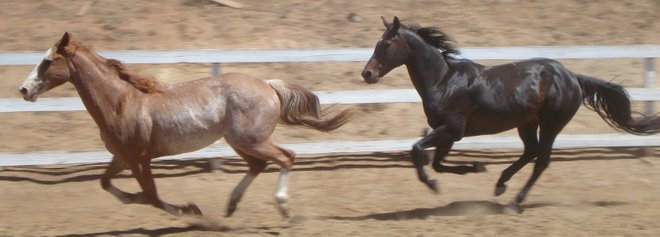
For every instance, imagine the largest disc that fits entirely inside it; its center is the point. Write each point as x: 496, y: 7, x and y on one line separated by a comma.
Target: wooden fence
x: 215, y: 57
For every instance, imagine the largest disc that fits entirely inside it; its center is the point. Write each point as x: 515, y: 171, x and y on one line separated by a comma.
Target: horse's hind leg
x: 527, y: 133
x: 550, y: 127
x: 282, y: 157
x: 256, y: 166
x: 142, y: 173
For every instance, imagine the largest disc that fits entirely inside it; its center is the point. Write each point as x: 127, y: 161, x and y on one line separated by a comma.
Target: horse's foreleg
x: 438, y: 135
x: 114, y: 168
x: 445, y: 134
x: 145, y: 178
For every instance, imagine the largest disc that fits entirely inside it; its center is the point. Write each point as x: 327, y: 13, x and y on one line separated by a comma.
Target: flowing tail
x: 301, y: 107
x: 612, y: 103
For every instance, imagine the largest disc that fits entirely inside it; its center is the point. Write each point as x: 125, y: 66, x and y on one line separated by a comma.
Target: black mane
x: 435, y: 37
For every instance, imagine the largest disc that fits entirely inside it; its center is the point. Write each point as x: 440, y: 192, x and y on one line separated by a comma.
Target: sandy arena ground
x: 585, y: 192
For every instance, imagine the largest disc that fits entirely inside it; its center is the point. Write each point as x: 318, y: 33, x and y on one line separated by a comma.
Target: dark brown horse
x: 462, y: 98
x: 141, y: 118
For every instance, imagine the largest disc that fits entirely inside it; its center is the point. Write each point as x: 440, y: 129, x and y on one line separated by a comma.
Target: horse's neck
x: 100, y: 92
x: 426, y: 69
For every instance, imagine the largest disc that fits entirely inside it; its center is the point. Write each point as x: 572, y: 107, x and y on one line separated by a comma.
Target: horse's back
x: 520, y: 92
x: 543, y: 76
x: 557, y: 85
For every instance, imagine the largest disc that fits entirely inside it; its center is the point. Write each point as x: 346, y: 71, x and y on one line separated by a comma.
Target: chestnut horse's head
x: 51, y: 72
x: 390, y: 52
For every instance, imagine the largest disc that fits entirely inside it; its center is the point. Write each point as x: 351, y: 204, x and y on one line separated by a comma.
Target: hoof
x: 231, y: 208
x: 282, y: 206
x: 191, y: 209
x: 433, y: 185
x: 499, y: 190
x: 284, y: 211
x: 513, y: 208
x: 478, y: 167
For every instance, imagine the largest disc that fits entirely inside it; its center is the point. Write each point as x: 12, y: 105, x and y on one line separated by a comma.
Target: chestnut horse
x: 141, y: 118
x: 462, y: 98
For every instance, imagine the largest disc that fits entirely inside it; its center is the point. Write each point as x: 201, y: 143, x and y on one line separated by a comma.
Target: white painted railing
x: 343, y: 55
x: 215, y: 57
x: 326, y: 97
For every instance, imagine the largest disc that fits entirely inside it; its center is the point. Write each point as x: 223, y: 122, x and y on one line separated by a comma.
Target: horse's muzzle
x: 370, y: 77
x: 27, y: 96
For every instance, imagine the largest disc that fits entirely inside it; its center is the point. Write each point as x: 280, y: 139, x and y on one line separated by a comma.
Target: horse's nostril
x: 23, y: 90
x: 366, y: 74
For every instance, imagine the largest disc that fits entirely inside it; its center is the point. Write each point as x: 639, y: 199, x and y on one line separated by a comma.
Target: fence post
x: 215, y: 69
x: 649, y: 82
x: 215, y: 164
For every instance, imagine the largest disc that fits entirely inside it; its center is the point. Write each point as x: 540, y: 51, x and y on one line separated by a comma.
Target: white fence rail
x: 647, y: 52
x: 343, y: 55
x: 326, y: 97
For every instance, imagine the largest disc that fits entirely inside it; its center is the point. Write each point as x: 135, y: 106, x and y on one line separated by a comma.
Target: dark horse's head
x: 393, y: 50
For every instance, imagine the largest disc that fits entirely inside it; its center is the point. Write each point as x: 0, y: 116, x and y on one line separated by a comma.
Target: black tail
x: 612, y: 103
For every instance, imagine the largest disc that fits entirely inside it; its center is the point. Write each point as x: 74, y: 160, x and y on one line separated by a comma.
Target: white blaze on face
x: 32, y: 85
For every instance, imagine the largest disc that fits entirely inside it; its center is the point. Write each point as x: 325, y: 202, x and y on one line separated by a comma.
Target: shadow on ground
x: 177, y: 168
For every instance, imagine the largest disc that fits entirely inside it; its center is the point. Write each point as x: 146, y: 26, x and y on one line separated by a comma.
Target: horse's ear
x: 63, y: 43
x: 387, y: 24
x: 393, y: 28
x: 395, y: 24
x: 65, y: 39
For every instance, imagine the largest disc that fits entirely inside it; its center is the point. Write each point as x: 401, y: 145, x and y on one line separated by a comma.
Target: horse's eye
x: 385, y: 43
x: 44, y: 65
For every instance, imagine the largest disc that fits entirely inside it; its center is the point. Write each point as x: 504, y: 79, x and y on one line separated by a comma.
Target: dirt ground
x: 585, y: 192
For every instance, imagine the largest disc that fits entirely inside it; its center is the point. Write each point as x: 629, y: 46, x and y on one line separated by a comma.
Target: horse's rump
x: 301, y: 106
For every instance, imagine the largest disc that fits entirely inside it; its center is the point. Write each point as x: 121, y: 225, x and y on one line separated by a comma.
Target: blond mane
x: 146, y: 84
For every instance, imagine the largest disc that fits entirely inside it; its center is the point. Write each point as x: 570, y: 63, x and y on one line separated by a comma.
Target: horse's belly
x: 174, y: 143
x: 491, y: 124
x: 476, y: 130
